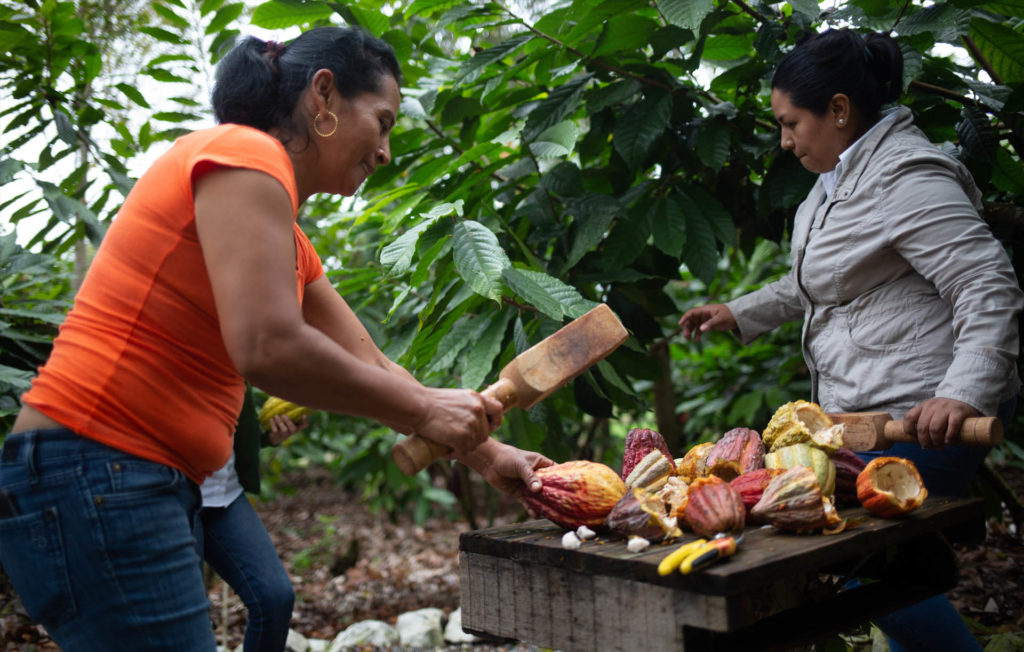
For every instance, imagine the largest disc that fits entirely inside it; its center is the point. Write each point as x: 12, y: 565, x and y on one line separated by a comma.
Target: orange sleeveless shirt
x: 139, y: 363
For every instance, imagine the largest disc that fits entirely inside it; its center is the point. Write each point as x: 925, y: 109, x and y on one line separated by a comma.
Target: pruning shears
x: 699, y: 553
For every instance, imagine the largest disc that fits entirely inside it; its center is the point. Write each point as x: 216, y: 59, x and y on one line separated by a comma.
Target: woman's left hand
x: 937, y: 421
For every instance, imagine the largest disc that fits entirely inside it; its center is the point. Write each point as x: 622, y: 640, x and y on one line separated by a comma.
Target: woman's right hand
x: 714, y: 316
x: 461, y: 419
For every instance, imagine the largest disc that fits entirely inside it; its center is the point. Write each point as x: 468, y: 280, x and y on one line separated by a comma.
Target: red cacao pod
x: 713, y: 506
x: 848, y: 467
x: 738, y: 451
x: 641, y: 513
x: 751, y: 486
x: 576, y: 493
x: 890, y: 487
x: 640, y: 442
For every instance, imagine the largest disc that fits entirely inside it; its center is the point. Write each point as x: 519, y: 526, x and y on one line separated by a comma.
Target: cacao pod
x: 890, y: 487
x: 274, y: 406
x: 694, y: 464
x: 794, y: 423
x: 639, y: 443
x: 738, y: 451
x: 713, y: 506
x: 576, y: 493
x: 803, y: 454
x: 641, y: 513
x: 675, y: 494
x: 751, y: 486
x: 793, y: 502
x: 651, y: 472
x: 848, y: 467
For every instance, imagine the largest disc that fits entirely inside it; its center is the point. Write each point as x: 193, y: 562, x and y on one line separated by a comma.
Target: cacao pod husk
x: 794, y: 423
x: 738, y: 451
x: 805, y: 455
x: 639, y: 443
x: 576, y: 493
x: 848, y: 467
x: 694, y: 463
x: 751, y: 486
x: 675, y: 493
x: 793, y: 502
x: 713, y: 506
x: 651, y: 472
x: 640, y: 513
x: 890, y: 487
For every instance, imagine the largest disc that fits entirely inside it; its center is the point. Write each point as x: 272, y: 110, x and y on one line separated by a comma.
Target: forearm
x: 766, y: 309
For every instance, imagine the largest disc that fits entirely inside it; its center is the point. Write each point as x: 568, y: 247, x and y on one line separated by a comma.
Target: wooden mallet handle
x: 415, y: 453
x: 975, y: 431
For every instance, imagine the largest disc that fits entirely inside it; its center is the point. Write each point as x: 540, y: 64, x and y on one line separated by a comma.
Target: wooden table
x: 779, y: 589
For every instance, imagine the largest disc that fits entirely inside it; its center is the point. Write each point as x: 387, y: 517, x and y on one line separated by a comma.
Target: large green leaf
x: 1002, y: 47
x: 687, y: 14
x: 668, y: 226
x: 558, y: 105
x: 534, y: 288
x: 636, y: 131
x: 1008, y: 173
x: 470, y: 70
x: 480, y: 357
x: 279, y: 14
x: 479, y: 258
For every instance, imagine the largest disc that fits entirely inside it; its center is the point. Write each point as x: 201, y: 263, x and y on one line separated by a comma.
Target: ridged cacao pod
x: 793, y: 502
x: 890, y: 487
x: 848, y: 467
x: 805, y: 455
x: 640, y: 442
x: 576, y: 493
x: 640, y: 513
x: 738, y: 451
x: 651, y: 472
x: 713, y: 506
x: 751, y: 486
x: 675, y: 493
x: 694, y: 464
x: 794, y: 423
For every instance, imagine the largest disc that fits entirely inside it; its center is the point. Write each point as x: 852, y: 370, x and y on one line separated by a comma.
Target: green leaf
x: 625, y: 33
x: 161, y: 34
x: 713, y: 142
x: 532, y: 287
x: 688, y: 14
x: 977, y: 136
x: 279, y: 14
x: 558, y: 105
x: 808, y: 8
x: 482, y: 354
x: 1008, y: 173
x: 396, y: 257
x: 465, y: 332
x: 699, y: 252
x: 471, y: 69
x: 479, y: 258
x: 224, y: 16
x: 629, y: 237
x: 133, y: 94
x: 636, y: 131
x: 65, y: 130
x: 712, y: 211
x: 555, y: 141
x: 1002, y: 47
x: 668, y: 226
x: 728, y: 47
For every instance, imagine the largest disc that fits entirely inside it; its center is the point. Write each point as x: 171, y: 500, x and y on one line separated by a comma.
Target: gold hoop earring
x: 318, y: 132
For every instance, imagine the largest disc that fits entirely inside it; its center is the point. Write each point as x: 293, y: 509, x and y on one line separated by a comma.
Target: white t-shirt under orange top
x: 139, y: 363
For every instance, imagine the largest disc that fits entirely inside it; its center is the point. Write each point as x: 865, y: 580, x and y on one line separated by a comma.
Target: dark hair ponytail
x: 867, y: 70
x: 259, y: 82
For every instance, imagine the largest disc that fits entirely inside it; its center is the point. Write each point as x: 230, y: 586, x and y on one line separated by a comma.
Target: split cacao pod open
x: 793, y: 502
x: 576, y: 493
x: 694, y: 462
x: 738, y: 451
x: 751, y: 486
x: 651, y: 472
x: 641, y: 513
x: 713, y: 506
x: 640, y: 442
x: 805, y: 455
x: 890, y: 487
x: 794, y: 423
x: 848, y: 467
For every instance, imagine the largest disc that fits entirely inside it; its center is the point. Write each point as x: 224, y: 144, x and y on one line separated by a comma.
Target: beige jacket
x: 904, y: 291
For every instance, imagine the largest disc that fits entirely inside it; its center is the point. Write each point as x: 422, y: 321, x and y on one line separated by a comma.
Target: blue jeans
x: 237, y: 546
x: 98, y: 544
x: 933, y: 625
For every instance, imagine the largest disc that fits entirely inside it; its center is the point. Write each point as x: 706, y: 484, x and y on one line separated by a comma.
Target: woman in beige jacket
x: 909, y: 304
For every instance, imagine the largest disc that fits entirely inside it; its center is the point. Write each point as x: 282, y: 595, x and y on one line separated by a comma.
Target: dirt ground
x: 348, y: 564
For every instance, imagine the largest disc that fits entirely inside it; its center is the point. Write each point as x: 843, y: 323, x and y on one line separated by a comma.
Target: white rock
x: 453, y: 632
x: 991, y: 607
x: 318, y: 645
x: 367, y: 632
x: 421, y: 628
x: 296, y: 642
x: 570, y: 541
x: 637, y: 544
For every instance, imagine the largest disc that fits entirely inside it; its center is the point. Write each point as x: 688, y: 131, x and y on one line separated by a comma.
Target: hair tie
x: 272, y: 53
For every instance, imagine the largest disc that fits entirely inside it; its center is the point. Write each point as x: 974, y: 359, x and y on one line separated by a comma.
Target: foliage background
x: 550, y: 155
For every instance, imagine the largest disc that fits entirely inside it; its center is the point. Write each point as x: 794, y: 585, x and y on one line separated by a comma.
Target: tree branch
x: 950, y: 95
x: 980, y: 58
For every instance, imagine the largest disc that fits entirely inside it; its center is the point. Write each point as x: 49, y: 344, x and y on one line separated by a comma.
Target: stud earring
x: 841, y: 121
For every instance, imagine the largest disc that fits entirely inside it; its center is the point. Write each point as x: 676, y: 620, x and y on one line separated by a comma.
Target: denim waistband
x: 28, y: 439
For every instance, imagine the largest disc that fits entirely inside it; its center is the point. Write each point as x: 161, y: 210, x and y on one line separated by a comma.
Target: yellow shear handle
x: 674, y: 558
x: 706, y: 554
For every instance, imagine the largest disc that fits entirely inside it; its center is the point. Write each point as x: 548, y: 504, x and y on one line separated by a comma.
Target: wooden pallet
x: 518, y: 582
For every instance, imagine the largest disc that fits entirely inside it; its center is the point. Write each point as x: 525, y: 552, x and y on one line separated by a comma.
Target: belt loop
x: 29, y: 442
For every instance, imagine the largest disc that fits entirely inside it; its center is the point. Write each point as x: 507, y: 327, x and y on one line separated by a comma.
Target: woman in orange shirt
x: 204, y: 281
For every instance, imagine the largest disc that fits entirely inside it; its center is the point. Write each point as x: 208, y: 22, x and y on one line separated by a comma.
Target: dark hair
x: 867, y: 70
x: 259, y: 82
